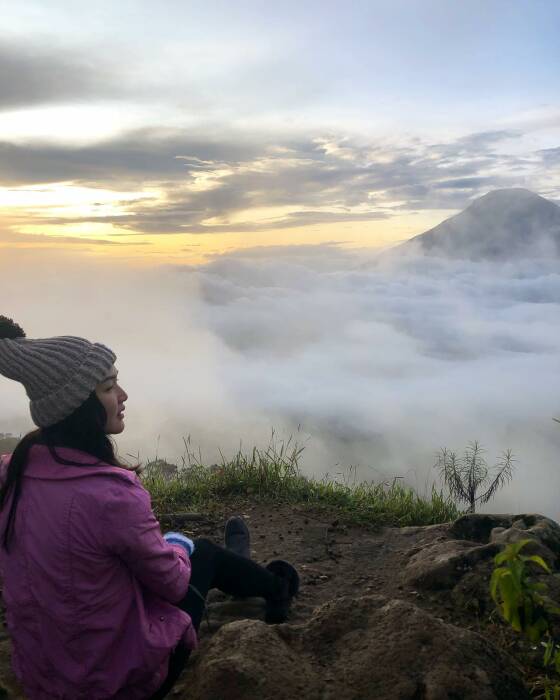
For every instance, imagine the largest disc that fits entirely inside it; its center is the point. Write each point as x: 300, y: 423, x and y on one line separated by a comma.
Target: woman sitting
x: 99, y: 603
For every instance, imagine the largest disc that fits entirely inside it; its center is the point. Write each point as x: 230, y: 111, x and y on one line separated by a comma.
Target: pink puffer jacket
x: 89, y: 583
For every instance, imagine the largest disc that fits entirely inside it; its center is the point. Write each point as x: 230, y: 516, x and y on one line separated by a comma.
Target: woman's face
x: 112, y: 396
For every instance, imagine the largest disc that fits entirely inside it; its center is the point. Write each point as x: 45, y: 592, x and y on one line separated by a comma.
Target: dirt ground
x: 333, y: 560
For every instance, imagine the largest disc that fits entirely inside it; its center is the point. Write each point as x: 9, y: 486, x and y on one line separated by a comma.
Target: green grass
x: 273, y: 476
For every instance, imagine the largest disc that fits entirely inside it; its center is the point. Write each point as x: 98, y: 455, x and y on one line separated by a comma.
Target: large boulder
x: 442, y: 564
x: 471, y: 542
x: 249, y: 659
x: 478, y: 526
x: 505, y: 529
x: 365, y: 647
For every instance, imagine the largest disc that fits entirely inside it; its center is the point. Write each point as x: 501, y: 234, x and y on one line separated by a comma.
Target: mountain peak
x: 508, y: 192
x: 503, y: 224
x: 511, y: 197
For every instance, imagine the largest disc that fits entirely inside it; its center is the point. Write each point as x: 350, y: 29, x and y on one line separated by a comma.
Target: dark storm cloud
x: 325, y: 178
x: 31, y: 76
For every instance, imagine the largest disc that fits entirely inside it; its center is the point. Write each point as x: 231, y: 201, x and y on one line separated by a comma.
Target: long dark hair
x: 84, y: 429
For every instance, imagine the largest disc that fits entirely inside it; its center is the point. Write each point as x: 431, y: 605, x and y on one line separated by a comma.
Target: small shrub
x: 520, y: 600
x: 523, y: 603
x: 466, y: 477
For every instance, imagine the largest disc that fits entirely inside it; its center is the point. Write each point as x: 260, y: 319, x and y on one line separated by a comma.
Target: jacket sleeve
x: 131, y: 531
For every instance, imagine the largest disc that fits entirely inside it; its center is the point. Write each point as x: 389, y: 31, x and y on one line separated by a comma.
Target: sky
x: 174, y: 132
x: 205, y: 187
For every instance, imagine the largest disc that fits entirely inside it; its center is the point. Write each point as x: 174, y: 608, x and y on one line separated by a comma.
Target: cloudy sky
x: 170, y: 132
x: 206, y: 186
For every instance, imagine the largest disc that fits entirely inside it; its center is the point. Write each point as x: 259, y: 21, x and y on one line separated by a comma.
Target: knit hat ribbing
x: 58, y: 373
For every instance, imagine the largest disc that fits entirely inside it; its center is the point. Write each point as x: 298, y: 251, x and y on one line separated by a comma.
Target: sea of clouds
x: 372, y: 362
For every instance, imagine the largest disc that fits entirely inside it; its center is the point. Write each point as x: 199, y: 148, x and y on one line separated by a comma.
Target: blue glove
x: 178, y: 538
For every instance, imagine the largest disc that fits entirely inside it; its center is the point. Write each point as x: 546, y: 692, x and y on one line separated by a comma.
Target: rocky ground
x: 398, y: 614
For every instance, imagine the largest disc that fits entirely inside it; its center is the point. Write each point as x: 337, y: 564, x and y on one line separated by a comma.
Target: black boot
x: 237, y: 538
x: 278, y: 605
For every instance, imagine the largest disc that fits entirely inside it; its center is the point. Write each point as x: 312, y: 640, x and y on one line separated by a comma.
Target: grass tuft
x: 273, y: 475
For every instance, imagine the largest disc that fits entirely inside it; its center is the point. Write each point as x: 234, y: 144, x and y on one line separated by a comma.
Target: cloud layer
x: 33, y: 75
x: 379, y: 363
x: 218, y: 181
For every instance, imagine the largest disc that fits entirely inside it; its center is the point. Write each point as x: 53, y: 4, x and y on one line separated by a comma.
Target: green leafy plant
x: 520, y: 600
x: 523, y: 603
x: 466, y: 477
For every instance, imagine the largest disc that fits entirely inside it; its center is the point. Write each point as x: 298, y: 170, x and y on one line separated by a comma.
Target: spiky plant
x: 469, y: 479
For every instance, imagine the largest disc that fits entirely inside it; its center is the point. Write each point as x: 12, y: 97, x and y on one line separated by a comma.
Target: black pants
x: 213, y: 566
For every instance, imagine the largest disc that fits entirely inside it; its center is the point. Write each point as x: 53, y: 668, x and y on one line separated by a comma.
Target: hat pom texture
x: 10, y: 329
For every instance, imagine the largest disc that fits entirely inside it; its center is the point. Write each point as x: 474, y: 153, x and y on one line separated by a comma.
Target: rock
x: 504, y: 529
x: 536, y: 527
x: 442, y: 564
x: 477, y: 538
x: 249, y: 659
x: 533, y: 547
x: 365, y: 647
x: 478, y: 526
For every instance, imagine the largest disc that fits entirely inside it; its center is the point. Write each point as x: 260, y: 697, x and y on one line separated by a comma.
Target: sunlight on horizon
x: 67, y: 203
x: 145, y: 249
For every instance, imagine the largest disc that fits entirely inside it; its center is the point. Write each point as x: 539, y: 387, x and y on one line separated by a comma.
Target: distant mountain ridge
x: 502, y: 225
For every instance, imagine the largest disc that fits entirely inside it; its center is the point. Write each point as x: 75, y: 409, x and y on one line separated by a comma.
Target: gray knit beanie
x: 58, y: 373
